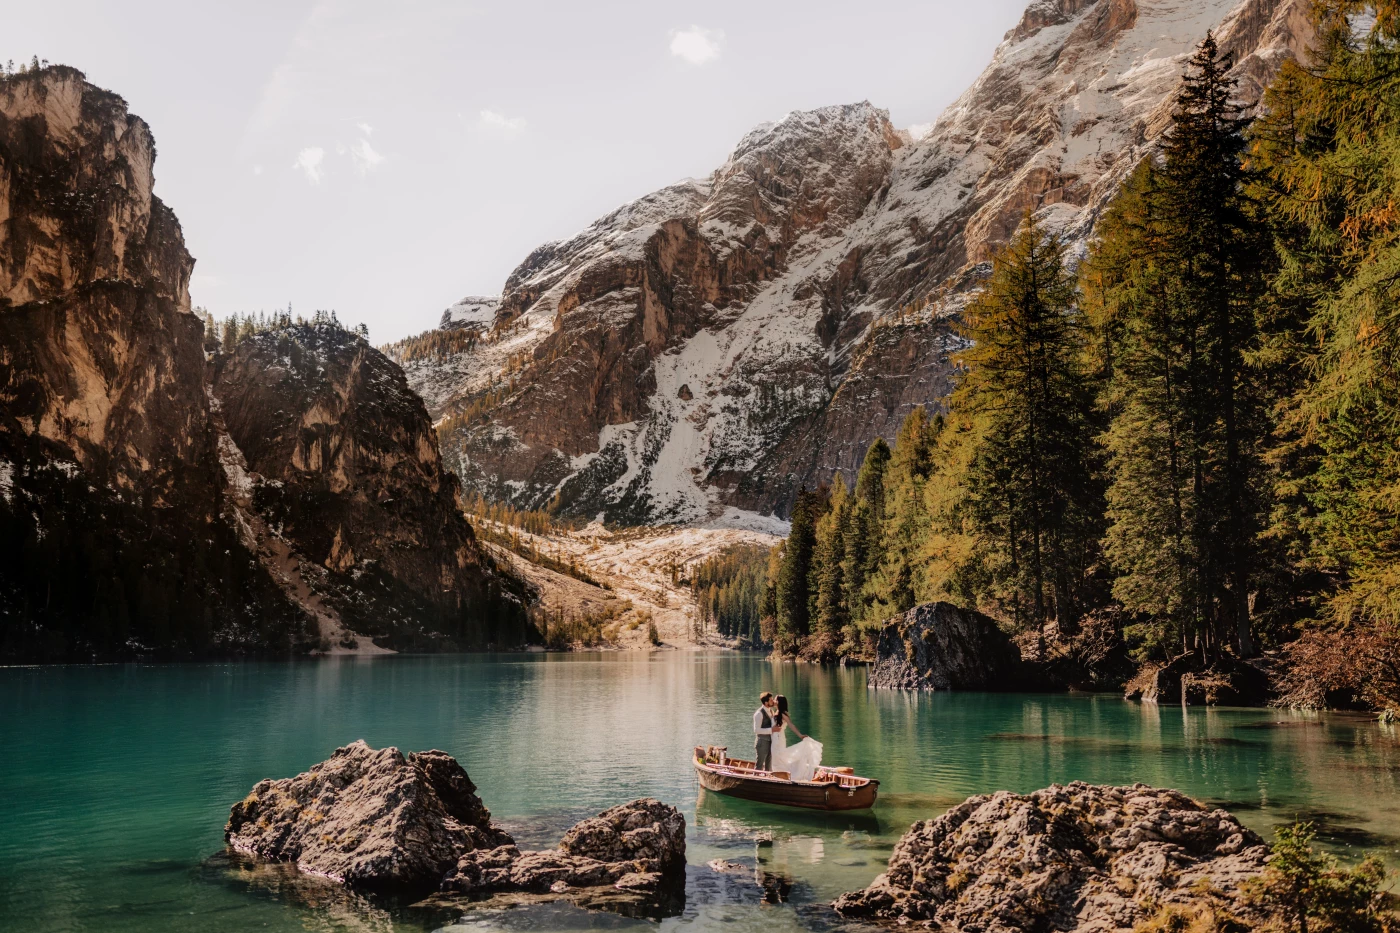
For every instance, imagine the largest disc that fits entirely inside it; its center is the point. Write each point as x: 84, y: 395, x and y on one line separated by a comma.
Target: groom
x: 763, y: 719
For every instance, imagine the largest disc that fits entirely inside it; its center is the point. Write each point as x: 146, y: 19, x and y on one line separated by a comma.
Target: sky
x: 386, y: 159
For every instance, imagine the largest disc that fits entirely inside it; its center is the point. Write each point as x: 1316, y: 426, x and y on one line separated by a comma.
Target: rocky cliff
x: 724, y: 341
x: 127, y: 526
x: 339, y: 457
x: 111, y: 538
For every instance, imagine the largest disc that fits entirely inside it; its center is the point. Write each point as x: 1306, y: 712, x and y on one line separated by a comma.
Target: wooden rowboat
x: 829, y: 789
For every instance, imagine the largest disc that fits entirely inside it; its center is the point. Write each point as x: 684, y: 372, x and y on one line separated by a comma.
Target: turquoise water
x: 115, y: 781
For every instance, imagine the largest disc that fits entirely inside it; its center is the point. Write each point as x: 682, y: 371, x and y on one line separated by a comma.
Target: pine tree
x: 829, y: 612
x: 891, y: 588
x: 862, y: 533
x: 1178, y: 274
x: 793, y: 588
x: 1033, y: 497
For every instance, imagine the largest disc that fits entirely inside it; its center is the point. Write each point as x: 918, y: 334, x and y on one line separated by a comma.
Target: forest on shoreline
x: 1191, y: 440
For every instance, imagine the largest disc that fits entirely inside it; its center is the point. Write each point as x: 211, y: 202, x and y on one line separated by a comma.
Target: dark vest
x: 767, y: 719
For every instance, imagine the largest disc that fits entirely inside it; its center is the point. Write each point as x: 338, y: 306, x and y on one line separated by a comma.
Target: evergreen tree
x: 1179, y: 270
x: 861, y: 539
x: 793, y: 590
x: 829, y: 612
x: 891, y: 588
x: 1033, y: 498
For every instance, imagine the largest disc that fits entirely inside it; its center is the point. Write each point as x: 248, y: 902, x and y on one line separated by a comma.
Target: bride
x: 800, y: 761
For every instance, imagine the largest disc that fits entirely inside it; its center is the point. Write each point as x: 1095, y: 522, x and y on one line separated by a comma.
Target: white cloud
x: 365, y: 157
x: 366, y: 129
x: 309, y: 161
x: 920, y: 130
x: 257, y: 169
x: 501, y: 125
x: 696, y: 45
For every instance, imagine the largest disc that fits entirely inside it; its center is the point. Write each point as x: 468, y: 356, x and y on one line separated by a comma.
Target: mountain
x: 703, y: 352
x: 130, y: 522
x: 331, y: 448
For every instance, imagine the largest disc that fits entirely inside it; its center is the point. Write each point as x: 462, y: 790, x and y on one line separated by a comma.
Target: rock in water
x: 938, y: 646
x: 373, y: 819
x: 409, y: 825
x: 1076, y: 858
x: 646, y: 830
x: 637, y: 847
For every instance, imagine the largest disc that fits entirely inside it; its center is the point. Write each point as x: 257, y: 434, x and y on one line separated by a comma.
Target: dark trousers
x: 763, y: 752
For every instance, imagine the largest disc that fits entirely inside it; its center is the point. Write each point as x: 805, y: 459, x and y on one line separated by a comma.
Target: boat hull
x: 789, y: 793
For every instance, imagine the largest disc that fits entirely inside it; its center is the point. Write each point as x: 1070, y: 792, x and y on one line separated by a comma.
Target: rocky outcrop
x: 343, y: 461
x: 112, y: 539
x: 373, y: 819
x: 410, y: 825
x: 637, y: 847
x: 803, y: 294
x: 938, y: 646
x: 1075, y: 858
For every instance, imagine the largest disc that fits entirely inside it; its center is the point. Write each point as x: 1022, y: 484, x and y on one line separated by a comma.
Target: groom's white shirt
x: 758, y: 727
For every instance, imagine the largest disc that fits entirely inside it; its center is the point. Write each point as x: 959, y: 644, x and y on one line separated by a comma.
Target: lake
x: 115, y: 781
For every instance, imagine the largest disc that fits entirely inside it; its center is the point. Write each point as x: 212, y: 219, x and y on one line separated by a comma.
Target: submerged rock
x: 938, y: 646
x: 412, y: 825
x: 1075, y: 858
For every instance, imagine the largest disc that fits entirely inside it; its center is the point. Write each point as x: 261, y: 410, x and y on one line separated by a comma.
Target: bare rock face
x: 802, y: 294
x: 112, y: 541
x: 938, y: 646
x: 373, y: 819
x: 345, y: 464
x: 1075, y: 858
x: 410, y: 825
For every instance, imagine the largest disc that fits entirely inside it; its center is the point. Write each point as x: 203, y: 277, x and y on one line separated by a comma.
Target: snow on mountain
x: 473, y: 311
x: 716, y: 345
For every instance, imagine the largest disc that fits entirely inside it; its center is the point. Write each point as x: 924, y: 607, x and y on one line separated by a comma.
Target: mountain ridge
x: 722, y: 342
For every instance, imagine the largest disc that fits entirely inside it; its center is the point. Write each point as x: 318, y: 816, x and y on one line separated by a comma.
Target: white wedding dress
x: 800, y: 761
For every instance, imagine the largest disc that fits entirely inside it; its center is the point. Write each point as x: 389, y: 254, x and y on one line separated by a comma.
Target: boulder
x: 410, y: 825
x: 1075, y: 858
x: 938, y: 646
x: 644, y: 830
x: 370, y: 818
x: 641, y: 843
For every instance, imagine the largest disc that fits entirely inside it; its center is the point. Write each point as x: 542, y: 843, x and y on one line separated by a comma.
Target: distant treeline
x: 730, y: 588
x: 225, y: 335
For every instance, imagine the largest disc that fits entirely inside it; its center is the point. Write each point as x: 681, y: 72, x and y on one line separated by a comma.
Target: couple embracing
x: 771, y: 752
